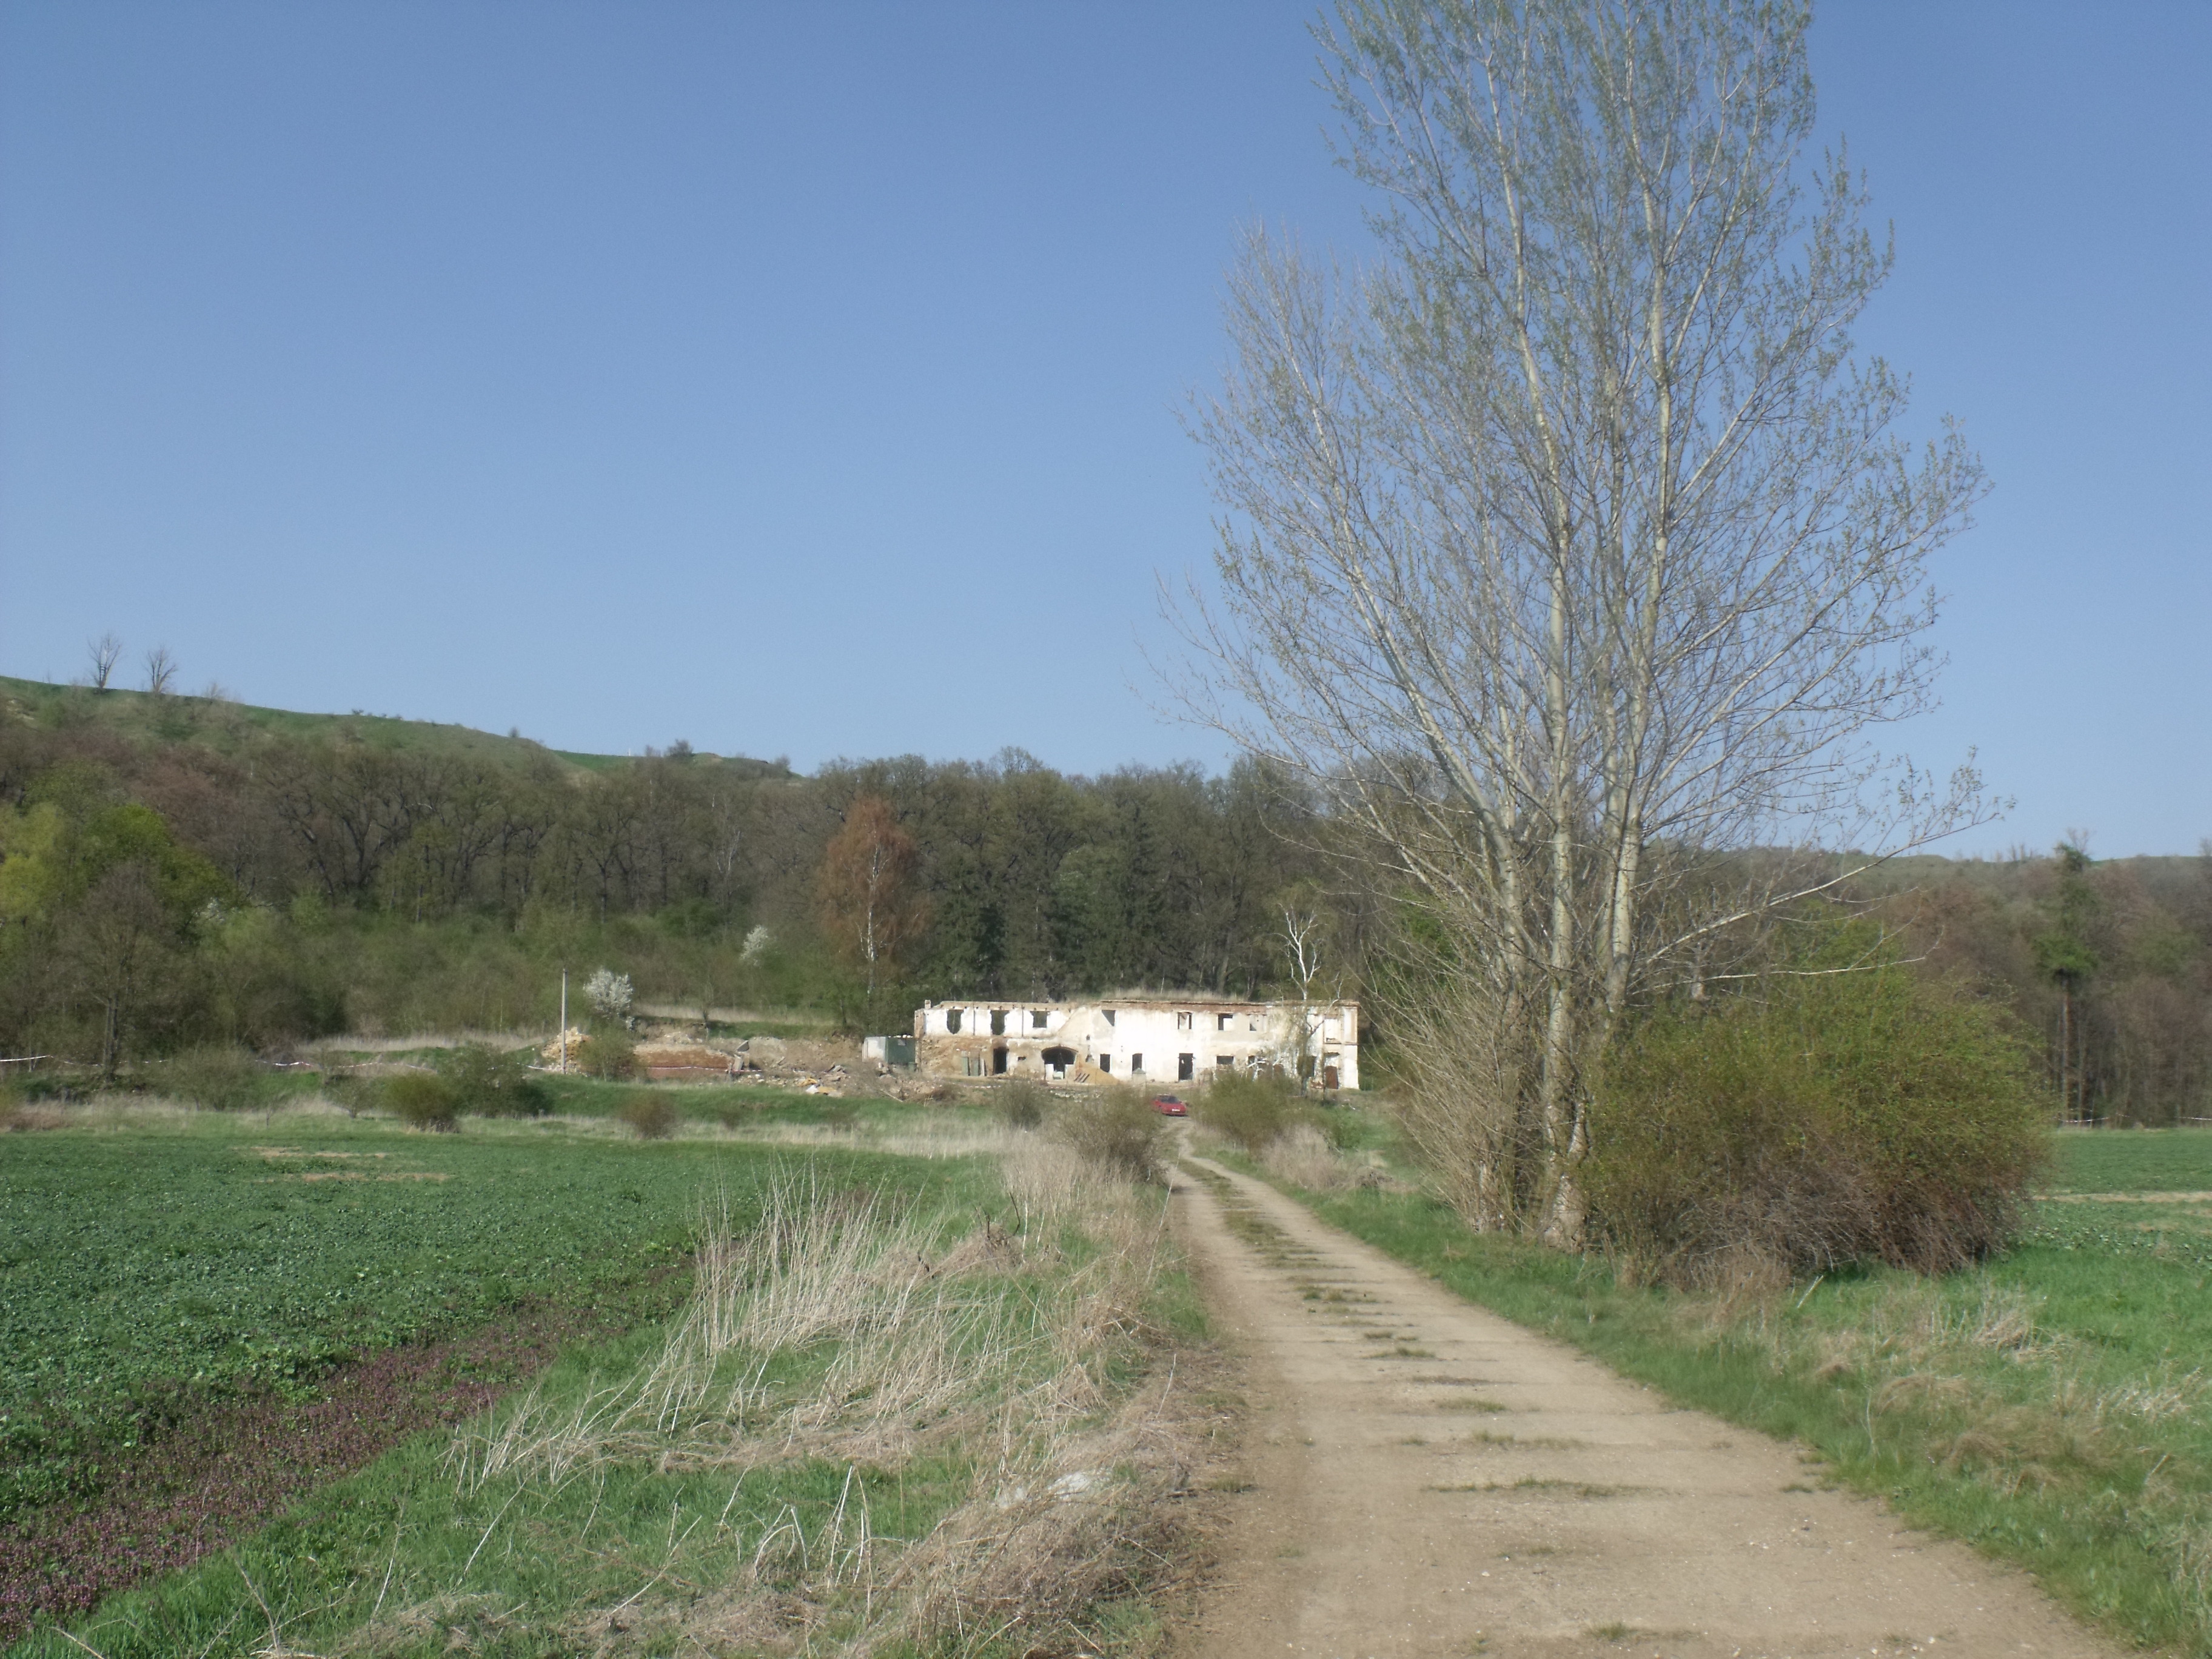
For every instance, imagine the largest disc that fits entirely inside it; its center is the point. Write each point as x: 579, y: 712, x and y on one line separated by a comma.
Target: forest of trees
x: 2108, y: 964
x: 223, y: 884
x: 207, y: 883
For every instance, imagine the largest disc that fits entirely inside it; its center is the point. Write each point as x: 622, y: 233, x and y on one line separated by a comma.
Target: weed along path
x: 1428, y: 1478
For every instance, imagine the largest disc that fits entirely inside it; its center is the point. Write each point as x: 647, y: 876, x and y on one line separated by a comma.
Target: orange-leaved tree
x: 872, y: 903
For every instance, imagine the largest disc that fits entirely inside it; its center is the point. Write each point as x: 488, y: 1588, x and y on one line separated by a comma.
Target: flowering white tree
x: 610, y: 994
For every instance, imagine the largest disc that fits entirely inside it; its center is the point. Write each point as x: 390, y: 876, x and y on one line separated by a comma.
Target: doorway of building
x: 999, y: 1062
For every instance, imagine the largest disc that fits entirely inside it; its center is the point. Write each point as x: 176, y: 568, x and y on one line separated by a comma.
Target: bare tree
x: 1305, y: 933
x: 161, y: 670
x: 106, y: 652
x: 1572, y: 553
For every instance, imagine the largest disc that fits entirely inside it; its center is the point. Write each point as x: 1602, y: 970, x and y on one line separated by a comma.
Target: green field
x: 2053, y: 1405
x: 171, y: 1275
x: 2132, y: 1161
x: 177, y: 1260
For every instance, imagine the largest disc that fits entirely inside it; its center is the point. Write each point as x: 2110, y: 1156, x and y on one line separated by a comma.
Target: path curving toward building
x: 1428, y: 1478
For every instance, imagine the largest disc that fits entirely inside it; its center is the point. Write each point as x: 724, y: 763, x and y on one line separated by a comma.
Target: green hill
x: 232, y: 728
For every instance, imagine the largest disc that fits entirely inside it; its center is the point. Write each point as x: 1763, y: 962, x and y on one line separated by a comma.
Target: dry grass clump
x: 1302, y: 1156
x: 1910, y: 1349
x: 845, y: 1327
x: 1078, y: 1522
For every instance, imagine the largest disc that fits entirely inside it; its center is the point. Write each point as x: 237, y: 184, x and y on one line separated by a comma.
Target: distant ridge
x: 235, y: 728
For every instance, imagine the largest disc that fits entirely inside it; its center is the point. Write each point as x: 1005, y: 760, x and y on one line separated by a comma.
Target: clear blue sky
x: 801, y: 379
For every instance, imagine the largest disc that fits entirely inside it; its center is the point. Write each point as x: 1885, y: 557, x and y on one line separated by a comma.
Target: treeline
x: 2108, y: 964
x: 203, y: 884
x: 185, y: 878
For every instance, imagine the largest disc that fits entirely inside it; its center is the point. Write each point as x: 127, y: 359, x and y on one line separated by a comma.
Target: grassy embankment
x: 231, y: 727
x: 903, y: 1397
x: 2053, y: 1406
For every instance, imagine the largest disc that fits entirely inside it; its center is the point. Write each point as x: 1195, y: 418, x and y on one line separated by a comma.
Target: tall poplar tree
x: 1570, y: 553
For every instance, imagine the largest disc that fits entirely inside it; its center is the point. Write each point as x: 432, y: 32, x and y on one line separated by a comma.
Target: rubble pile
x: 678, y: 1054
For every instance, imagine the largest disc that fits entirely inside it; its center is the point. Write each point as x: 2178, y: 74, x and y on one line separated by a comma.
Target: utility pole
x: 564, y: 1022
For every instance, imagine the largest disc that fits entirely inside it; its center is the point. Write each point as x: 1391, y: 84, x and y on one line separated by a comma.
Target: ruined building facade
x: 1152, y: 1041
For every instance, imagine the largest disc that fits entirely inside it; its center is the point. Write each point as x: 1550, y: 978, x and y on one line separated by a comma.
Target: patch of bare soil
x: 1425, y: 1478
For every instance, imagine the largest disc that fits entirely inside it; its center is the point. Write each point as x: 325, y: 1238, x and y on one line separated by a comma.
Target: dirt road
x: 1427, y: 1478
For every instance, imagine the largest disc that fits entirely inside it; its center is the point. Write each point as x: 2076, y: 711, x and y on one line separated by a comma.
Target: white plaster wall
x: 1266, y: 1032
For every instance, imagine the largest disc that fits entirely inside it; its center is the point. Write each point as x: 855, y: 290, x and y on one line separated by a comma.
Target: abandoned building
x: 1147, y: 1041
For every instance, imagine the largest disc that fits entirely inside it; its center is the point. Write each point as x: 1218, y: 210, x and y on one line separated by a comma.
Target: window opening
x: 1106, y: 1064
x: 1221, y: 1022
x: 1109, y: 1016
x: 1036, y: 1019
x: 952, y: 1021
x: 1226, y: 1062
x: 998, y: 1022
x: 1136, y: 1064
x: 1182, y: 1022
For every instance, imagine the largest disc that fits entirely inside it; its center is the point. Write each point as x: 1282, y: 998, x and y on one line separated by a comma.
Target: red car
x: 1169, y: 1106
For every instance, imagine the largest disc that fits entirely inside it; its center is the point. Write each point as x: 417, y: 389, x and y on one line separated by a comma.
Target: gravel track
x: 1429, y: 1478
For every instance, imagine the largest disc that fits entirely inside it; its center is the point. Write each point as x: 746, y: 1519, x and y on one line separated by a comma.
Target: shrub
x: 423, y: 1099
x: 221, y: 1080
x: 1305, y: 1156
x: 491, y: 1084
x: 1115, y: 1128
x: 608, y: 1053
x: 1250, y: 1111
x: 1021, y: 1103
x: 1814, y: 1121
x: 349, y: 1089
x: 653, y: 1117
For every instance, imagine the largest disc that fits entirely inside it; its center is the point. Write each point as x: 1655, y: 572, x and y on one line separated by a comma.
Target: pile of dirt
x: 566, y: 1045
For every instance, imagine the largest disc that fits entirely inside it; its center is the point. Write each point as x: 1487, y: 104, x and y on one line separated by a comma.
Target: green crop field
x: 143, y: 1269
x: 2132, y: 1161
x: 291, y: 1369
x: 176, y: 1266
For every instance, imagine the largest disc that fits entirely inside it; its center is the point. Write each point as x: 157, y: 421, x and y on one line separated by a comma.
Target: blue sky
x: 803, y: 380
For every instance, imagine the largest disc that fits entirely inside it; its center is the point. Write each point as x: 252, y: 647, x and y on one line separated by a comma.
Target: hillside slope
x: 234, y: 728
